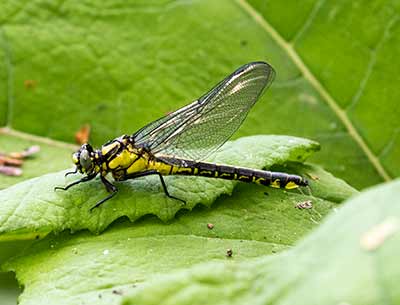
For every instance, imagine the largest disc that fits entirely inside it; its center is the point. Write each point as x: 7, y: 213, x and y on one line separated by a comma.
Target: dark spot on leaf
x: 266, y: 194
x: 243, y: 43
x: 117, y: 292
x: 229, y: 252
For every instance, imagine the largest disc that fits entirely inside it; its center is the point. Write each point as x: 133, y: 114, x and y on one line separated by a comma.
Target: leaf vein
x: 309, y: 20
x: 371, y: 64
x: 332, y: 103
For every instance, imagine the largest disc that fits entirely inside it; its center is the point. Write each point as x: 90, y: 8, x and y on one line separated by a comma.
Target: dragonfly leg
x: 84, y: 179
x: 154, y: 172
x: 111, y: 188
x: 70, y: 173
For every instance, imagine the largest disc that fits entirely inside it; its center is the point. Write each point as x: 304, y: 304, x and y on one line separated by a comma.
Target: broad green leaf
x: 349, y: 259
x: 122, y: 64
x: 71, y: 269
x: 32, y: 208
x: 355, y: 66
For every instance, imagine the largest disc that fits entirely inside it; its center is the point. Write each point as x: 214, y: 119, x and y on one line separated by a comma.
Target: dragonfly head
x: 84, y: 159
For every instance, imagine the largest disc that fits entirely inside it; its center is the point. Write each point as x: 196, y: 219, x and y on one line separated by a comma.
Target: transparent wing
x: 200, y: 128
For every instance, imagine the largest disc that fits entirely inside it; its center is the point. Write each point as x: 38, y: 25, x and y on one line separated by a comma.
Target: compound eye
x: 75, y: 158
x: 85, y: 160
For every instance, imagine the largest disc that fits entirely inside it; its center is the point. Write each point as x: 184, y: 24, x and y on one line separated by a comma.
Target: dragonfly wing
x: 200, y: 128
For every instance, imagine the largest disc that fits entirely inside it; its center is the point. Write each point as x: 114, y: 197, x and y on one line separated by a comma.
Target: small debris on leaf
x: 210, y: 226
x: 10, y: 162
x: 10, y: 170
x: 83, y: 134
x: 374, y: 238
x: 229, y: 252
x: 26, y: 152
x: 313, y: 177
x: 304, y: 205
x: 117, y: 292
x: 4, y: 160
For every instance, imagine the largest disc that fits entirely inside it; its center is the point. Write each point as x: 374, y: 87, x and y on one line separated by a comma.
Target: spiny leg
x: 300, y: 191
x: 84, y: 179
x: 154, y: 172
x: 111, y: 188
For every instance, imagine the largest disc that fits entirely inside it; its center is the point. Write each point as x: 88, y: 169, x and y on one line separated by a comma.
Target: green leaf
x: 123, y: 64
x: 32, y: 208
x: 8, y: 289
x: 71, y: 269
x: 349, y: 259
x: 120, y: 64
x: 353, y: 70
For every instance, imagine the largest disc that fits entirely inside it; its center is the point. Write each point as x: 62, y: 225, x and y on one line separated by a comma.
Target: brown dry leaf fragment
x: 30, y: 83
x: 10, y: 161
x: 83, y: 134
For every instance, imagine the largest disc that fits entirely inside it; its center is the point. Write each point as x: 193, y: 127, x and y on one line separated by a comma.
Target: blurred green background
x: 119, y: 64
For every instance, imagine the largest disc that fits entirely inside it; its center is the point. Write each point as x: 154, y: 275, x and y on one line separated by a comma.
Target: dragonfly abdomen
x: 268, y: 178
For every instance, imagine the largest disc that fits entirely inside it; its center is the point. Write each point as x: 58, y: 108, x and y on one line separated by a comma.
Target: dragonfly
x: 177, y: 143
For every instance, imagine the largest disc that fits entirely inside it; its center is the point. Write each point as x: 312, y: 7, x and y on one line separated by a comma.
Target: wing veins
x: 202, y: 116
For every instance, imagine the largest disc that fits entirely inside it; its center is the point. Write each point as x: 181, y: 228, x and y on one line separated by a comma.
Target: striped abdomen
x: 273, y: 179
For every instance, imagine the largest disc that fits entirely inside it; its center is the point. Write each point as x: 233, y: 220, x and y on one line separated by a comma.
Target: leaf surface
x: 102, y: 269
x: 348, y: 259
